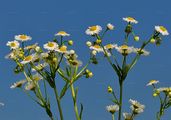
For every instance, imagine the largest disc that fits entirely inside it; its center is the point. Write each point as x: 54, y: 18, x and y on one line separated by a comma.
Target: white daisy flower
x: 93, y: 30
x: 127, y: 116
x: 152, y: 82
x: 31, y: 46
x: 62, y: 33
x: 130, y: 20
x: 50, y: 46
x: 13, y: 44
x: 18, y: 84
x: 142, y: 52
x: 110, y: 26
x: 62, y: 49
x: 74, y: 63
x: 124, y: 49
x: 136, y: 106
x: 97, y: 48
x: 112, y: 108
x: 162, y: 30
x: 110, y: 46
x: 22, y: 37
x: 30, y: 58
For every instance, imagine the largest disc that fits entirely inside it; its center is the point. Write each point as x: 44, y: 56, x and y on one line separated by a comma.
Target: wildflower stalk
x: 120, y: 101
x: 75, y: 102
x: 113, y: 117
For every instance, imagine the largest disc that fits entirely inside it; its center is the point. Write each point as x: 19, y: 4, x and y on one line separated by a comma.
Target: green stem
x: 59, y: 103
x: 113, y: 117
x: 75, y: 103
x: 120, y: 101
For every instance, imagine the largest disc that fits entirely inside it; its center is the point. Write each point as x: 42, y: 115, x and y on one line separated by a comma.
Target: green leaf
x: 64, y: 90
x: 68, y: 72
x: 61, y: 73
x: 116, y: 70
x: 81, y: 111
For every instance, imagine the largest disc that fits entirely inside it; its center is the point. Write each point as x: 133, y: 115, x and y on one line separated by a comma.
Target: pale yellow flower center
x: 109, y: 46
x: 23, y: 37
x: 63, y: 48
x: 153, y: 81
x: 163, y: 28
x: 62, y: 32
x: 130, y: 18
x: 96, y: 46
x: 124, y: 47
x: 93, y: 28
x: 28, y: 58
x: 36, y: 78
x: 13, y: 44
x: 50, y: 44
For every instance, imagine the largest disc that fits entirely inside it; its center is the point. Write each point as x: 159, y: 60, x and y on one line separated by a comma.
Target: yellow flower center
x: 23, y: 37
x: 62, y: 32
x: 96, y: 46
x: 93, y: 28
x: 124, y: 47
x: 130, y: 18
x: 36, y: 78
x: 63, y: 48
x: 28, y: 58
x: 50, y: 44
x: 163, y: 28
x: 152, y: 81
x: 109, y: 46
x: 13, y: 44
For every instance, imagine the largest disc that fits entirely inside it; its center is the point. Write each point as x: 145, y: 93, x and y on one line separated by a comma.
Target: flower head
x: 18, y: 84
x: 13, y: 44
x: 50, y: 46
x: 110, y: 26
x: 124, y: 49
x: 112, y: 108
x: 141, y: 51
x: 31, y: 46
x: 152, y: 82
x: 30, y: 58
x: 22, y: 37
x: 93, y: 30
x: 62, y: 33
x: 130, y: 20
x: 136, y: 106
x: 97, y: 48
x: 62, y: 49
x: 162, y: 30
x: 127, y: 116
x: 30, y: 86
x: 110, y: 46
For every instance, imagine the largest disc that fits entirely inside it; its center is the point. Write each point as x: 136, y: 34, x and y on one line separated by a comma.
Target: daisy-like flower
x: 136, y: 106
x: 31, y: 46
x: 22, y: 37
x: 93, y: 30
x: 110, y: 46
x: 18, y: 84
x: 50, y: 46
x: 112, y: 108
x: 62, y: 33
x: 130, y: 20
x: 62, y: 49
x: 30, y: 58
x: 15, y: 54
x: 30, y: 86
x: 97, y: 48
x: 152, y: 82
x: 13, y: 44
x: 162, y: 30
x: 124, y: 49
x: 141, y: 52
x: 110, y: 26
x: 127, y: 116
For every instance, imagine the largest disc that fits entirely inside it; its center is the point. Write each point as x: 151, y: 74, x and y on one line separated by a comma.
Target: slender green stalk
x: 75, y: 102
x: 59, y: 103
x: 113, y: 117
x: 120, y: 101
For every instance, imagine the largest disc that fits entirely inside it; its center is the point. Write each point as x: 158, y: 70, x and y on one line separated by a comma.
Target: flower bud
x: 155, y: 94
x: 37, y: 49
x: 136, y: 38
x: 98, y: 41
x: 70, y: 42
x: 88, y: 43
x: 110, y: 26
x: 90, y: 74
x: 128, y: 29
x: 110, y: 90
x: 152, y: 40
x: 94, y: 52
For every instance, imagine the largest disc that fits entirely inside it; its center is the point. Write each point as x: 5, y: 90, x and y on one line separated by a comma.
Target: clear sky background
x: 42, y: 18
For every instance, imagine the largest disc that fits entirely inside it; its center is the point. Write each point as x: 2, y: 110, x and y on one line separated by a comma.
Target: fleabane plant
x: 44, y: 67
x: 121, y: 67
x: 164, y: 96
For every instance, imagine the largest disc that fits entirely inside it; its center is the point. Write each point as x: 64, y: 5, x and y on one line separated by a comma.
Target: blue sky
x: 42, y: 18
